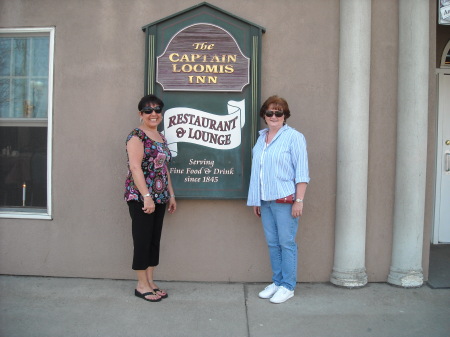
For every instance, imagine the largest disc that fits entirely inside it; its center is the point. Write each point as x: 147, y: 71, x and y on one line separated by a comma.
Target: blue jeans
x: 280, y: 229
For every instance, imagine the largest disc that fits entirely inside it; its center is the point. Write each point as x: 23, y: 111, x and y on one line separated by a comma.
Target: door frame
x: 439, y: 153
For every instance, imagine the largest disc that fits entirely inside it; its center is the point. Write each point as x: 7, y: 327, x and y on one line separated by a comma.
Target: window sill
x: 24, y: 213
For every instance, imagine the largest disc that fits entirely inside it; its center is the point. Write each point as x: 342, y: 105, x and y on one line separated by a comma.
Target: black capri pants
x: 146, y: 230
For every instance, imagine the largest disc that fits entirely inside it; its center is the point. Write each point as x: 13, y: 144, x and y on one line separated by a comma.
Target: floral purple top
x: 154, y: 166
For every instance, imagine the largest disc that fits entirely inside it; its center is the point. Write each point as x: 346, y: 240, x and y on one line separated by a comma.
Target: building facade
x: 362, y: 81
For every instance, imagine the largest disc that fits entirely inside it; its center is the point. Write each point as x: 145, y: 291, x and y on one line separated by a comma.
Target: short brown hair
x: 279, y: 102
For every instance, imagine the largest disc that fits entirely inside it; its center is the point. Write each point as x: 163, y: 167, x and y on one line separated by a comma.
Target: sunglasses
x: 270, y: 113
x: 148, y: 110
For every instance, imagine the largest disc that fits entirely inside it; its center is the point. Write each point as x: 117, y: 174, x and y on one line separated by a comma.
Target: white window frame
x: 47, y: 215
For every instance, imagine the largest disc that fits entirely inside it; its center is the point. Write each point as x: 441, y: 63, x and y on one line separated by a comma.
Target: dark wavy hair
x: 279, y: 103
x: 146, y: 100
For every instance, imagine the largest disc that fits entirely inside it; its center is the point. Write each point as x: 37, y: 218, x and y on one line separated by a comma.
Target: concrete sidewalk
x: 41, y: 306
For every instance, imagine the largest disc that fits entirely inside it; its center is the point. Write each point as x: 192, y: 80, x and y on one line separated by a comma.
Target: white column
x: 353, y: 143
x: 409, y: 208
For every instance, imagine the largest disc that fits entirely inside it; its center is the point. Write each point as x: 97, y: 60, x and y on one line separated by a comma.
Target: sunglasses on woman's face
x: 270, y: 113
x: 148, y: 110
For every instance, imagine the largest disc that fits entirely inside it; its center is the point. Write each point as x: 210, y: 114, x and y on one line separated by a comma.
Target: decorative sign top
x: 203, y: 57
x: 444, y: 12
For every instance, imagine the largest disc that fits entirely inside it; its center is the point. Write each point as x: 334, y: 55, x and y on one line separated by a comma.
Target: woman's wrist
x: 148, y: 198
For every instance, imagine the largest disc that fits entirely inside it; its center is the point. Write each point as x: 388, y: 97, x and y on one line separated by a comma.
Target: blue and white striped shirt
x: 277, y: 167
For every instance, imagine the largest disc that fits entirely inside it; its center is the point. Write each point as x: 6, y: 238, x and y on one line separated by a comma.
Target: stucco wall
x: 99, y: 75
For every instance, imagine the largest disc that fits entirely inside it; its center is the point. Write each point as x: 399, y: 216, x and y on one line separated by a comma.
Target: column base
x: 406, y: 278
x: 350, y: 279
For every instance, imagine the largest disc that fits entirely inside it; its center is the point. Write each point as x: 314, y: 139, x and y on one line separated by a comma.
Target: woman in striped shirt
x: 279, y: 169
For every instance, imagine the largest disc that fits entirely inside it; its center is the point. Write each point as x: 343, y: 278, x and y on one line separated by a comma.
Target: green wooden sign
x: 204, y: 63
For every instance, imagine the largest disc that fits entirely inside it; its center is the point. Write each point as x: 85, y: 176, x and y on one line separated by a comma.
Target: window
x: 26, y: 82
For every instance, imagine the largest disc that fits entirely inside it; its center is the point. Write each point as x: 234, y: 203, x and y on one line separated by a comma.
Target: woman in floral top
x: 147, y: 190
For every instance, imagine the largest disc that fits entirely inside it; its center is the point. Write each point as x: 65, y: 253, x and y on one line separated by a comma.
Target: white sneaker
x: 282, y: 295
x: 268, y: 291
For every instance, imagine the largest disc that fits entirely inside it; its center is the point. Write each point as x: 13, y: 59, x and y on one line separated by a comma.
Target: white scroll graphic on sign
x: 222, y: 132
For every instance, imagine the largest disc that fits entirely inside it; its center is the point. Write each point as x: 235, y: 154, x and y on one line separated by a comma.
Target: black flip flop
x: 156, y: 290
x: 142, y: 295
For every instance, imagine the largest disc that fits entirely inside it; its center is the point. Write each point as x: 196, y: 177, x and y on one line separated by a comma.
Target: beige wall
x: 382, y: 135
x: 99, y: 74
